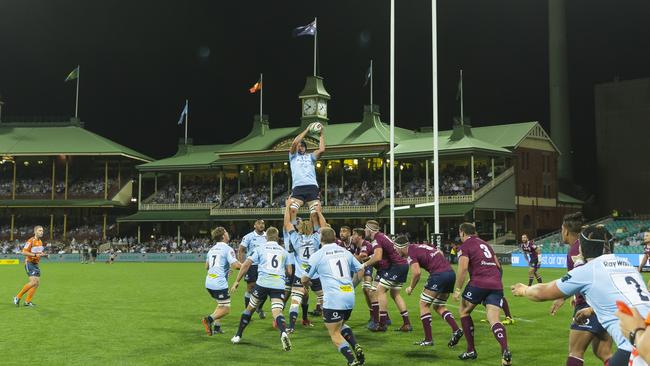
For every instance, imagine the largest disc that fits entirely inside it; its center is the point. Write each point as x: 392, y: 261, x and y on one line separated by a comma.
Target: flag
x: 73, y: 74
x: 255, y: 88
x: 305, y: 30
x: 368, y: 76
x: 183, y: 114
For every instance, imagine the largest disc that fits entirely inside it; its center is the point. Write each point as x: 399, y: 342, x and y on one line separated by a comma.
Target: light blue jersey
x: 303, y: 247
x: 272, y: 261
x: 251, y: 241
x: 335, y: 264
x: 219, y: 259
x: 303, y: 172
x: 603, y: 281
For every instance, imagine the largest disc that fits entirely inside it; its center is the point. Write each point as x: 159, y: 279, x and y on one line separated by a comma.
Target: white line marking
x: 482, y: 311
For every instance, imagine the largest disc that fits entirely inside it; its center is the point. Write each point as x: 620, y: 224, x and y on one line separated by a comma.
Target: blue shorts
x: 315, y: 284
x: 534, y: 264
x: 396, y: 273
x: 306, y: 193
x: 477, y: 295
x: 219, y: 295
x: 251, y: 274
x: 32, y: 269
x: 592, y: 324
x: 335, y: 316
x: 262, y: 292
x: 441, y: 282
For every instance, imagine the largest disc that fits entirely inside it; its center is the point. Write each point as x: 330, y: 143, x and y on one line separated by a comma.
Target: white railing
x: 175, y: 206
x: 266, y: 211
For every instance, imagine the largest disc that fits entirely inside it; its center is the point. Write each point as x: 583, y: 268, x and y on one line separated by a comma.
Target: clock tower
x: 314, y: 100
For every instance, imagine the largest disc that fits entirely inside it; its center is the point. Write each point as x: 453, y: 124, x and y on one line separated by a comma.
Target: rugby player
x: 646, y: 250
x: 345, y: 241
x: 484, y: 287
x: 218, y: 262
x: 393, y: 273
x: 304, y: 187
x: 437, y: 289
x: 366, y: 249
x: 335, y: 266
x: 303, y: 243
x: 274, y: 264
x: 603, y: 280
x: 533, y: 256
x: 591, y: 331
x: 33, y: 251
x: 247, y: 246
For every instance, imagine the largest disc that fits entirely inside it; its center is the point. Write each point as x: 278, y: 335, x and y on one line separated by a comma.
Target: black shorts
x: 396, y: 273
x: 335, y: 316
x: 262, y: 292
x: 367, y: 272
x: 219, y: 295
x: 306, y: 193
x: 477, y: 295
x: 592, y: 325
x: 251, y: 274
x: 379, y: 274
x: 315, y: 284
x: 288, y: 281
x: 441, y: 282
x: 32, y: 269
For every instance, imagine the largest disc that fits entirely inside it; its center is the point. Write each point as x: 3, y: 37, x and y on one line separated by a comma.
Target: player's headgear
x: 372, y: 225
x: 401, y: 241
x: 594, y: 241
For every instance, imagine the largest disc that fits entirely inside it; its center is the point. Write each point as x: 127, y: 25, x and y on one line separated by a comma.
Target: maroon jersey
x: 348, y: 246
x: 389, y: 254
x: 428, y: 258
x: 367, y: 247
x: 530, y: 248
x: 646, y: 250
x: 483, y: 269
x: 574, y: 251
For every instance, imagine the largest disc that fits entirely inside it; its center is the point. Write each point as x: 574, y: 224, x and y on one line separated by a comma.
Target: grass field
x: 149, y: 314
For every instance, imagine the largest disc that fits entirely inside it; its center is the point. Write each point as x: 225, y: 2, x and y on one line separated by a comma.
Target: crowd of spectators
x: 36, y: 187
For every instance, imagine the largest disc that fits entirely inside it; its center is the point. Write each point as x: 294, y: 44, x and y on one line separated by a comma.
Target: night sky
x: 141, y: 59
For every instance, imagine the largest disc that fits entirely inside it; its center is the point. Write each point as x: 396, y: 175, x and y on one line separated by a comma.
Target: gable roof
x: 43, y: 139
x: 187, y: 157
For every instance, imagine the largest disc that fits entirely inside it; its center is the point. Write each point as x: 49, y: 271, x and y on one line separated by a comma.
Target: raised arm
x: 288, y: 226
x: 296, y: 141
x: 321, y: 144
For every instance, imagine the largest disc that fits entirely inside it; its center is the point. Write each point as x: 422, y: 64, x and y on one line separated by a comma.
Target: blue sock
x: 293, y: 315
x: 243, y: 322
x: 345, y: 350
x: 346, y: 332
x: 247, y: 299
x: 282, y: 326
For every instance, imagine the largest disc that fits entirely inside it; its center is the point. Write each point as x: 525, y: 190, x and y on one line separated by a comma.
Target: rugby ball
x: 315, y: 127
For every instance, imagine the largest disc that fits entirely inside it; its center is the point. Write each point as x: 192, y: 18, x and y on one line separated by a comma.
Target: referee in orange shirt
x: 33, y: 251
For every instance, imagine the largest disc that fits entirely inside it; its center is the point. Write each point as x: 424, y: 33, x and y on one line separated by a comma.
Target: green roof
x: 192, y: 156
x: 423, y: 145
x: 507, y: 136
x: 59, y: 203
x: 565, y: 198
x: 42, y: 139
x: 171, y: 215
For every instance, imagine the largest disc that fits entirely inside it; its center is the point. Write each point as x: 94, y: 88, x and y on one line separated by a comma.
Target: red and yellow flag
x: 255, y: 88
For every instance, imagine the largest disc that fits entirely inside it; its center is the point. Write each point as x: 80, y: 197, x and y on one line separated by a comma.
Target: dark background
x: 141, y: 59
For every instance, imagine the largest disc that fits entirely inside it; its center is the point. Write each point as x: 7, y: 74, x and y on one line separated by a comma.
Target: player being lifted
x: 303, y: 245
x: 393, y: 273
x: 591, y: 331
x: 484, y: 287
x: 33, y: 251
x: 533, y: 256
x: 603, y: 279
x: 335, y: 266
x: 437, y: 289
x: 218, y: 262
x: 274, y: 264
x: 304, y: 187
x: 247, y: 246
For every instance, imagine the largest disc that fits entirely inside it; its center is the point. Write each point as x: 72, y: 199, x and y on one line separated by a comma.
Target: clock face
x: 309, y: 107
x: 322, y: 108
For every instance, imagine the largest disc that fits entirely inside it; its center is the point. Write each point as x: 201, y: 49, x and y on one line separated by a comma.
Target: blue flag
x: 305, y: 30
x: 183, y: 114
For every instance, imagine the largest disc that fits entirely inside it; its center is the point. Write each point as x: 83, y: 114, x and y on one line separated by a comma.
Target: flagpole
x: 434, y: 66
x: 462, y: 117
x: 372, y: 75
x: 261, y: 93
x: 315, y: 40
x: 76, y: 105
x: 187, y: 112
x: 392, y: 117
